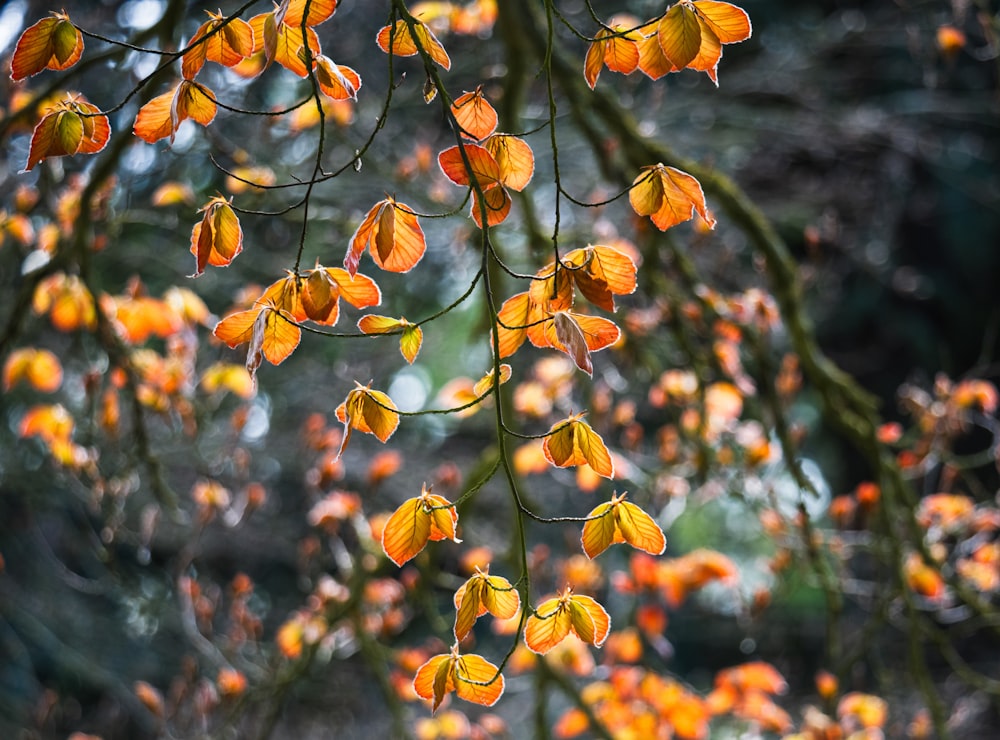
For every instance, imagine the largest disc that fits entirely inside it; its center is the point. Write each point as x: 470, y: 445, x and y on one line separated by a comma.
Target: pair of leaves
x: 471, y: 677
x: 411, y: 335
x: 599, y: 272
x: 368, y: 411
x: 575, y: 334
x: 271, y: 331
x: 617, y: 521
x: 162, y: 116
x: 315, y: 294
x: 480, y: 594
x: 555, y: 618
x: 392, y: 234
x: 218, y: 237
x: 616, y: 47
x: 279, y: 35
x: 690, y: 35
x: 668, y: 196
x: 573, y: 442
x: 502, y: 161
x: 52, y: 43
x: 419, y: 520
x: 399, y: 41
x: 72, y: 126
x: 217, y: 40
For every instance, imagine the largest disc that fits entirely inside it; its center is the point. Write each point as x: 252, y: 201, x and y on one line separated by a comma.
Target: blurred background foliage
x: 873, y: 150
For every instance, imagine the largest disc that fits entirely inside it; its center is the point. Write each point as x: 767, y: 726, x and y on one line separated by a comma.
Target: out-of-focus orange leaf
x: 233, y: 378
x: 865, y: 710
x: 72, y: 126
x: 162, y: 116
x: 668, y: 196
x: 405, y: 44
x: 368, y: 411
x: 950, y: 41
x: 218, y: 237
x: 51, y: 423
x: 149, y: 697
x: 52, y: 43
x: 621, y: 521
x: 67, y: 302
x: 572, y: 441
x: 228, y: 45
x: 923, y: 578
x: 555, y: 618
x: 476, y: 118
x: 427, y: 517
x: 231, y: 682
x: 411, y: 335
x: 173, y: 193
x: 40, y: 368
x: 471, y: 677
x: 392, y: 234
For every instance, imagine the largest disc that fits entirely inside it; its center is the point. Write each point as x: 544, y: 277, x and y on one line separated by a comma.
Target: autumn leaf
x: 392, y: 234
x: 617, y: 48
x: 67, y: 302
x: 315, y: 294
x: 52, y: 43
x: 227, y: 377
x: 52, y: 423
x: 411, y: 335
x: 476, y: 118
x: 227, y: 44
x: 668, y: 196
x: 691, y: 35
x: 218, y: 237
x: 482, y: 166
x: 578, y: 335
x: 573, y: 442
x: 337, y: 81
x: 368, y: 411
x: 621, y: 521
x: 554, y: 619
x: 485, y: 384
x: 271, y: 332
x: 161, y: 116
x: 40, y: 368
x: 405, y: 44
x: 419, y: 520
x: 480, y: 594
x: 514, y: 158
x: 679, y: 34
x: 72, y: 126
x: 320, y: 11
x: 283, y: 43
x: 471, y: 677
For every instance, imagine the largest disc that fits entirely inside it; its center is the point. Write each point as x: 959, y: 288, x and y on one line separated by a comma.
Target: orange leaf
x: 480, y: 594
x: 411, y: 335
x: 476, y: 118
x: 358, y: 290
x: 283, y: 43
x: 471, y: 677
x: 679, y: 34
x: 638, y: 528
x: 729, y: 23
x: 578, y: 335
x: 512, y: 320
x: 368, y: 411
x: 392, y: 234
x: 668, y: 196
x: 426, y: 683
x: 573, y: 442
x: 337, y: 81
x: 39, y: 367
x: 589, y: 620
x: 619, y: 52
x: 482, y: 165
x: 602, y: 273
x: 271, y: 332
x: 418, y: 520
x: 405, y: 45
x: 557, y: 617
x: 514, y: 158
x: 51, y: 423
x: 652, y: 62
x: 600, y: 530
x: 496, y: 202
x: 218, y: 237
x: 227, y: 46
x: 52, y: 43
x: 70, y: 127
x: 319, y: 11
x: 485, y: 384
x: 161, y: 116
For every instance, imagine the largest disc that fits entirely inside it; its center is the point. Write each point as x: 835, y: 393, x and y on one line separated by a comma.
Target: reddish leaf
x: 227, y: 46
x: 495, y: 201
x: 52, y: 43
x: 514, y: 158
x: 668, y: 196
x: 161, y: 116
x: 392, y: 233
x: 482, y: 165
x: 72, y: 126
x: 336, y: 80
x: 39, y: 367
x: 471, y: 677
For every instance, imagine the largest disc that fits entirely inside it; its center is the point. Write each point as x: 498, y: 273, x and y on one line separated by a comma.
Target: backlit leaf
x: 573, y: 442
x: 228, y: 46
x: 418, y: 520
x: 599, y: 532
x: 319, y: 12
x: 511, y: 319
x: 40, y: 368
x: 729, y: 23
x: 639, y: 529
x: 668, y: 196
x: 368, y: 411
x: 52, y: 43
x: 482, y: 166
x: 476, y: 118
x: 679, y: 34
x: 161, y: 116
x: 72, y: 126
x: 514, y: 158
x: 337, y: 81
x: 477, y: 680
x: 495, y: 201
x: 218, y: 237
x: 406, y: 45
x: 392, y: 234
x: 548, y: 626
x: 485, y: 384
